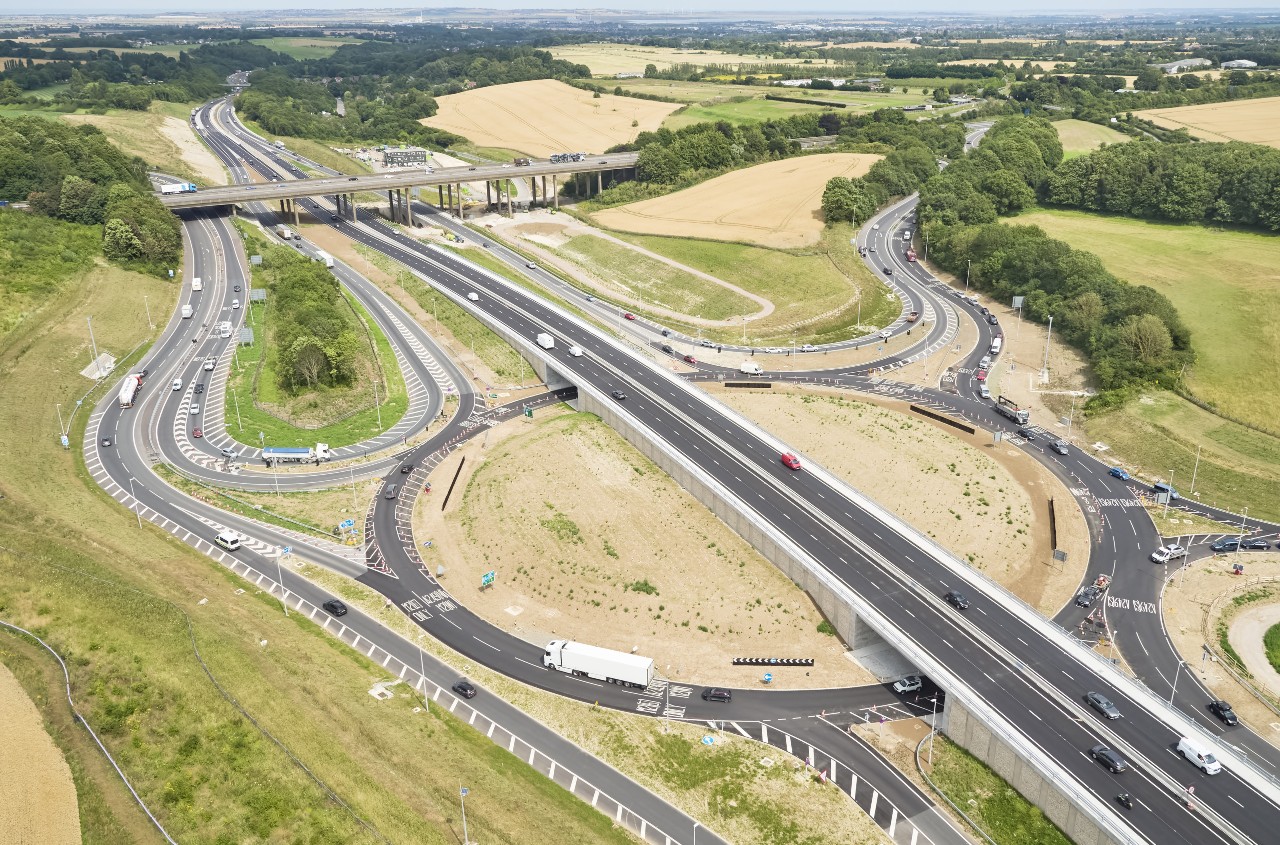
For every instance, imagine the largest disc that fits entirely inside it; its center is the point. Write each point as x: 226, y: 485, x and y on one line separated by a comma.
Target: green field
x: 813, y: 289
x: 1224, y: 283
x: 318, y: 151
x: 1080, y: 136
x: 115, y: 599
x: 306, y: 48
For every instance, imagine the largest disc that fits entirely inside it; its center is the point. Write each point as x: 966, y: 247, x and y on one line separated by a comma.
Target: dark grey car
x: 1103, y: 705
x: 1108, y: 758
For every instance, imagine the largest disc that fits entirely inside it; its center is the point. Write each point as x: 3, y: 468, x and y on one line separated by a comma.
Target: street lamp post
x: 280, y: 578
x: 968, y: 265
x: 137, y: 506
x: 1071, y: 417
x: 1168, y: 496
x: 62, y: 429
x: 1240, y: 540
x: 1195, y: 470
x: 1174, y: 688
x: 147, y: 306
x: 744, y: 329
x: 1045, y: 370
x: 462, y: 798
x: 695, y: 833
x: 933, y: 724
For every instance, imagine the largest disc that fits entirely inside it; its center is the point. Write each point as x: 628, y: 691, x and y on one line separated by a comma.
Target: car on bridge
x: 619, y: 395
x: 1164, y: 554
x: 628, y: 316
x: 790, y: 461
x: 1103, y: 705
x: 956, y: 599
x: 1111, y: 759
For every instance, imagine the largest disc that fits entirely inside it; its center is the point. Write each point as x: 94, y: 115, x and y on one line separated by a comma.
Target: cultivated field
x: 1235, y: 120
x: 1042, y: 64
x: 777, y: 204
x: 1080, y: 136
x: 39, y: 798
x: 306, y: 48
x: 544, y: 116
x: 608, y: 59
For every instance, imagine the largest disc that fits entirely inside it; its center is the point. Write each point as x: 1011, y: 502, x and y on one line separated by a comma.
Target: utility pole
x: 1044, y: 372
x: 147, y: 306
x: 1196, y: 470
x: 93, y: 344
x: 462, y: 798
x: 376, y: 404
x: 62, y: 429
x: 137, y: 506
x: 1168, y: 496
x: 968, y: 265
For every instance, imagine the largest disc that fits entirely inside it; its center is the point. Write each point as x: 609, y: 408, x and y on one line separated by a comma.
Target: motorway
x: 891, y: 567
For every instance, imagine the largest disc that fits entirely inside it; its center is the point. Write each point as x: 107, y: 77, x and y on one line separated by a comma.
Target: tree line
x: 74, y: 173
x: 314, y: 335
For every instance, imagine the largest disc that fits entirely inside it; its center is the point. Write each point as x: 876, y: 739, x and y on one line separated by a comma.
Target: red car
x: 982, y: 375
x: 689, y: 359
x: 790, y: 461
x: 628, y: 316
x: 197, y: 433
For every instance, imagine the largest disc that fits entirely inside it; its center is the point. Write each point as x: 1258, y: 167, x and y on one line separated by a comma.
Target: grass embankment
x: 75, y: 567
x: 498, y: 355
x: 1080, y: 136
x: 1271, y: 642
x: 318, y: 151
x: 814, y: 291
x: 141, y: 134
x: 255, y: 382
x: 989, y: 800
x: 305, y: 48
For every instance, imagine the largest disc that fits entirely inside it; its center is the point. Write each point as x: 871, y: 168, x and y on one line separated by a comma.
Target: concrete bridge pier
x: 555, y: 190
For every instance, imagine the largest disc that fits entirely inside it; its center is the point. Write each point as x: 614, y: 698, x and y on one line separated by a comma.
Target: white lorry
x: 602, y: 664
x: 224, y: 329
x: 196, y: 284
x: 187, y: 311
x: 285, y: 232
x: 129, y: 389
x: 178, y: 188
x: 321, y: 255
x: 750, y: 368
x: 546, y: 341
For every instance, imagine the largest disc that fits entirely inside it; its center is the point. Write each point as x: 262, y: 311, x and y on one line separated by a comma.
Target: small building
x: 1184, y: 65
x: 629, y: 74
x: 1239, y: 64
x: 403, y: 156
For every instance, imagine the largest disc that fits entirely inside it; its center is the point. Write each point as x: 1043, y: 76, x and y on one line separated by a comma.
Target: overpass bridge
x: 398, y: 185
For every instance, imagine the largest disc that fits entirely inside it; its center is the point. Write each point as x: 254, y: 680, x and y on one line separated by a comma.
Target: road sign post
x: 488, y: 578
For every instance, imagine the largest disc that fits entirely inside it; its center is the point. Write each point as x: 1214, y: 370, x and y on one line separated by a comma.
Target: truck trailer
x: 1006, y: 407
x: 602, y: 664
x: 284, y: 231
x: 273, y: 455
x: 321, y: 255
x: 179, y: 188
x: 129, y: 389
x: 546, y: 341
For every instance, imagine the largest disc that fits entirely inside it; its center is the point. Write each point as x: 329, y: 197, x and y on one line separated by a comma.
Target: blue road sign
x: 287, y: 550
x: 489, y: 578
x: 465, y: 792
x: 347, y: 523
x: 768, y: 677
x: 65, y: 442
x: 708, y: 740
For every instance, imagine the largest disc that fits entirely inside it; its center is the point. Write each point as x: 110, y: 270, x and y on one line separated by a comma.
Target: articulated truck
x: 273, y: 455
x: 179, y: 188
x: 325, y: 257
x: 129, y: 389
x: 285, y: 232
x: 1006, y: 407
x: 602, y: 664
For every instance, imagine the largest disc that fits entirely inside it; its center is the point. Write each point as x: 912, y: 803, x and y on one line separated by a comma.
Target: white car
x: 208, y: 365
x: 194, y: 409
x: 575, y: 351
x: 177, y: 384
x: 885, y: 334
x: 1164, y: 554
x: 911, y: 683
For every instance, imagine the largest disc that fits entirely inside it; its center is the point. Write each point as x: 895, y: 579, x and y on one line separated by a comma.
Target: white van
x: 235, y: 304
x: 985, y: 363
x: 996, y: 343
x: 196, y: 284
x: 228, y: 540
x: 1200, y: 755
x: 177, y: 384
x: 187, y: 311
x: 984, y: 391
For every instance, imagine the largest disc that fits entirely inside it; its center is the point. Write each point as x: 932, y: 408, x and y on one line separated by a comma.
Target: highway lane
x: 632, y: 375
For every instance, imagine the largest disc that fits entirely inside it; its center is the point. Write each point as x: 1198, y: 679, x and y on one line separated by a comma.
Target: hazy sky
x: 665, y: 7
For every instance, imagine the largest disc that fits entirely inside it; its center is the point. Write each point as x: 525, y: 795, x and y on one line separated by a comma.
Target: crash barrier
x: 773, y: 661
x: 943, y: 418
x: 1053, y: 525
x: 765, y: 384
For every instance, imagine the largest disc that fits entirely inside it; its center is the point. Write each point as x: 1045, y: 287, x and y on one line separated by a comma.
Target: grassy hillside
x: 1080, y: 136
x: 1225, y: 284
x: 129, y: 607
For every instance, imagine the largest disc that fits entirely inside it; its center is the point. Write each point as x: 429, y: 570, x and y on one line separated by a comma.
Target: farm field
x: 1080, y: 136
x: 759, y: 109
x: 1235, y: 120
x: 568, y: 119
x: 306, y: 48
x: 1042, y: 64
x: 776, y: 204
x: 607, y: 59
x: 1215, y: 278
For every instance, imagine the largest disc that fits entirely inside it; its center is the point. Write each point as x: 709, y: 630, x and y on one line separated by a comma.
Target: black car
x: 405, y: 469
x: 1087, y: 596
x: 1026, y: 434
x: 666, y: 332
x: 1223, y: 711
x: 717, y: 694
x: 984, y: 310
x: 235, y: 288
x: 618, y: 394
x: 1256, y: 543
x: 1108, y: 758
x: 957, y: 600
x: 199, y: 387
x: 334, y: 217
x: 666, y: 347
x: 991, y: 319
x: 464, y: 688
x: 353, y: 179
x: 336, y: 607
x: 888, y: 271
x: 1230, y: 544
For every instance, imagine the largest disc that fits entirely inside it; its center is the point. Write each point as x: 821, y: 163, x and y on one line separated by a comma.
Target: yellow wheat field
x: 607, y: 59
x: 1256, y: 121
x: 777, y: 204
x: 543, y: 116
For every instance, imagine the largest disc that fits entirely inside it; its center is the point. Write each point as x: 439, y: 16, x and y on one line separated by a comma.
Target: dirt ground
x: 568, y: 119
x: 577, y: 553
x: 1190, y: 610
x: 986, y: 504
x: 39, y: 804
x: 197, y: 155
x: 1237, y: 120
x: 777, y: 204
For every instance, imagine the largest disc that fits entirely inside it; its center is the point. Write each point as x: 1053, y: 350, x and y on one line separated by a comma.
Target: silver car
x: 1103, y: 705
